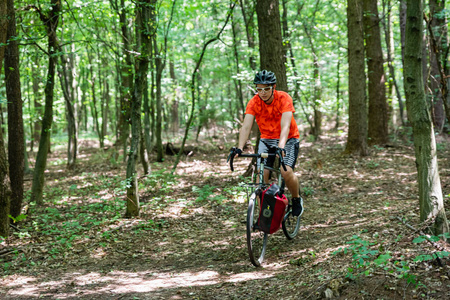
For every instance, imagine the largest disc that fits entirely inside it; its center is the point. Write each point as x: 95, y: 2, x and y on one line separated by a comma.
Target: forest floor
x: 358, y: 240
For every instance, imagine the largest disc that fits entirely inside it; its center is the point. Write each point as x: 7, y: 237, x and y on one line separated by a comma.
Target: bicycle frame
x: 260, y: 174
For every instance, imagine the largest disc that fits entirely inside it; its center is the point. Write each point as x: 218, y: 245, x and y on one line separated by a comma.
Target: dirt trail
x: 190, y: 241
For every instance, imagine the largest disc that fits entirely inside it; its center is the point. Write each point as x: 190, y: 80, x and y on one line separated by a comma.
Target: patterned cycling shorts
x: 291, y: 147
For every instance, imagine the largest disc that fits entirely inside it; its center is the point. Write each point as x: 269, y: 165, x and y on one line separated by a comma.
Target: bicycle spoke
x: 256, y: 240
x: 290, y: 224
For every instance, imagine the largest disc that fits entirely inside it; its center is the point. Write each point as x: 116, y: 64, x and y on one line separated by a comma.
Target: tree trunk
x: 160, y: 63
x: 126, y: 77
x: 317, y: 128
x: 378, y: 109
x: 270, y: 40
x: 145, y: 22
x: 94, y: 108
x: 143, y: 154
x: 3, y: 30
x: 248, y: 14
x: 338, y: 95
x: 357, y: 131
x: 66, y: 79
x: 390, y: 53
x: 438, y: 25
x: 38, y: 109
x: 15, y: 121
x: 152, y: 104
x: 147, y: 126
x: 104, y: 105
x: 5, y: 190
x: 175, y: 125
x: 430, y: 192
x: 442, y: 68
x: 402, y: 17
x: 237, y: 82
x: 51, y: 23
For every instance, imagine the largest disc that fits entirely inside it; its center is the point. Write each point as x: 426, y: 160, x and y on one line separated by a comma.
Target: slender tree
x: 15, y: 121
x: 357, y: 131
x: 378, y: 109
x: 37, y: 98
x: 66, y: 76
x: 193, y: 86
x: 50, y: 21
x: 237, y: 82
x: 5, y: 189
x: 316, y: 103
x: 145, y: 27
x: 247, y: 14
x: 438, y: 53
x: 270, y: 40
x: 442, y: 69
x: 160, y: 64
x: 430, y: 192
x: 390, y: 61
x: 147, y: 130
x: 126, y: 75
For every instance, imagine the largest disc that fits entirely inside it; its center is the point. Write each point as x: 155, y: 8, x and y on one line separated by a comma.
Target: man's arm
x: 245, y: 130
x: 286, y: 118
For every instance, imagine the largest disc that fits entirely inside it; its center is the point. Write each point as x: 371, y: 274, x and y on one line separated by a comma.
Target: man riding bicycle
x: 273, y: 111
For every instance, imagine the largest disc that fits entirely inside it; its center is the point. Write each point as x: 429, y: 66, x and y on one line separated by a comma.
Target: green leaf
x: 18, y: 218
x: 382, y: 259
x: 434, y: 238
x: 419, y: 239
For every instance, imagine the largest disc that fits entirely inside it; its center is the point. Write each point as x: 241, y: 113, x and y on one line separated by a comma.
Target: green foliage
x: 367, y: 256
x: 308, y: 191
x: 207, y: 193
x: 372, y: 165
x: 434, y: 255
x: 160, y: 180
x: 18, y: 218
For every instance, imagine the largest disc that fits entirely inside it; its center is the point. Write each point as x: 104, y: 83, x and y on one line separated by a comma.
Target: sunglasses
x: 264, y: 90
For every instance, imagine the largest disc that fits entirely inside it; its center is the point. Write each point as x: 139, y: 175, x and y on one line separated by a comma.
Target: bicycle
x: 257, y: 239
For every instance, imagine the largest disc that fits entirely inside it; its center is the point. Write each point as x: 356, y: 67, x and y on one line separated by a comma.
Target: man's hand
x: 282, y: 150
x: 233, y: 152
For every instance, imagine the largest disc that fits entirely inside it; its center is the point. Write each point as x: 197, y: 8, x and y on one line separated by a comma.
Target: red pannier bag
x: 273, y: 208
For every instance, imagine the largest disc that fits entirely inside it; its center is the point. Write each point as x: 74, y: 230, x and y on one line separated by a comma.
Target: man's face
x: 264, y: 91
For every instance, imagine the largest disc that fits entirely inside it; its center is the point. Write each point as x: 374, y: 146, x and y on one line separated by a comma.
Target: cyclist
x: 273, y: 111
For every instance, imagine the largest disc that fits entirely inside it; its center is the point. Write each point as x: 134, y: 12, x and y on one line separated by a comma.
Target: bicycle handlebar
x: 260, y: 155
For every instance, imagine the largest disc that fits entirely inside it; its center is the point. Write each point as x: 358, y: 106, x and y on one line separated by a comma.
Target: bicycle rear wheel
x: 290, y: 224
x: 256, y: 239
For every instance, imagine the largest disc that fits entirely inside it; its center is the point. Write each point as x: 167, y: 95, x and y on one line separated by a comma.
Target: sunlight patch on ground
x: 19, y: 281
x: 248, y: 276
x: 141, y: 283
x: 406, y: 174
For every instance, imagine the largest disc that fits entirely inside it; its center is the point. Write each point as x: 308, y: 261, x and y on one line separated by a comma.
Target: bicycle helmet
x: 265, y: 77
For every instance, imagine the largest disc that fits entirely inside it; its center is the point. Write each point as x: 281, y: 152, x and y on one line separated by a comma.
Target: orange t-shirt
x: 268, y: 117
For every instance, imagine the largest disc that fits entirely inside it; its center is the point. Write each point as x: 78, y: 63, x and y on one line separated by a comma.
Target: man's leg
x: 292, y: 184
x: 291, y: 181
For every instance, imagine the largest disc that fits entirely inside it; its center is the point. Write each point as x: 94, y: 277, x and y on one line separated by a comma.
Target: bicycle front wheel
x: 290, y: 224
x: 256, y: 239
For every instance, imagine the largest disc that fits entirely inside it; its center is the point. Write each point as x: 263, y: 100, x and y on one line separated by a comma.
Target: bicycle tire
x: 290, y: 224
x: 256, y: 239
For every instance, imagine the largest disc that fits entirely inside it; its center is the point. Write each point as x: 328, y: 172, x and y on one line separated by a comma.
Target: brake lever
x: 280, y: 155
x: 230, y: 159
